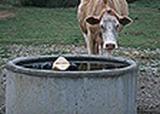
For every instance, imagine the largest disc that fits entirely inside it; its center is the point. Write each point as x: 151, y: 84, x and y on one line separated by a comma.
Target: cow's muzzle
x: 109, y: 46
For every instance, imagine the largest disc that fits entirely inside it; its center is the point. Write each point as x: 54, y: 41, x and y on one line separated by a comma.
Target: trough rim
x: 132, y: 67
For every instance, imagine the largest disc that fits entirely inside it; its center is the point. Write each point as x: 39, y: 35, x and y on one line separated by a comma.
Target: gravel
x: 148, y: 84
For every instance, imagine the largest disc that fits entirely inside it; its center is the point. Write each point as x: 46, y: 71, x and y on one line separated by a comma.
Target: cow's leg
x: 98, y: 45
x: 90, y: 50
x: 100, y: 50
x: 96, y: 48
x: 88, y: 45
x: 91, y: 46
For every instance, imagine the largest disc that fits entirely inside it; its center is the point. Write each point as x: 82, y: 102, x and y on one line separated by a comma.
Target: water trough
x: 97, y: 85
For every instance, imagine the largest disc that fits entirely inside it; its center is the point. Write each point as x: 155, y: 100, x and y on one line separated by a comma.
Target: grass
x: 145, y: 31
x: 37, y: 25
x: 59, y: 26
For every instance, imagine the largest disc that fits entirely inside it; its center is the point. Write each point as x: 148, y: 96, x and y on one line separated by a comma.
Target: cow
x: 100, y: 22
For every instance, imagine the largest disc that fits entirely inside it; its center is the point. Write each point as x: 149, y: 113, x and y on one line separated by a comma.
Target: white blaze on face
x: 109, y: 31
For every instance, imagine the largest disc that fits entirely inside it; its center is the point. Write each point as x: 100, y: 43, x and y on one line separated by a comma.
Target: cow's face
x: 109, y: 26
x: 109, y: 29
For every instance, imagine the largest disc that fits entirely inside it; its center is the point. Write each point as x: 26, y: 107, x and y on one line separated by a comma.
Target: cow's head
x: 110, y: 24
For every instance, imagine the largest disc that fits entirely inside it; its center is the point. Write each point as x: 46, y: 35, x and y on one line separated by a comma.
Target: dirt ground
x: 148, y: 83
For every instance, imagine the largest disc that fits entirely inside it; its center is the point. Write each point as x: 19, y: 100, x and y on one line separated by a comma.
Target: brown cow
x: 100, y: 21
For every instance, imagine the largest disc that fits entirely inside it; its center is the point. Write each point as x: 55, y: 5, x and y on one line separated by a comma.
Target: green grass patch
x: 147, y: 3
x: 60, y: 26
x: 39, y: 25
x: 144, y: 31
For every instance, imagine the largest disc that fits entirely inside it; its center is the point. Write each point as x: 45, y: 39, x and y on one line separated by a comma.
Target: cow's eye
x: 102, y: 26
x: 117, y: 26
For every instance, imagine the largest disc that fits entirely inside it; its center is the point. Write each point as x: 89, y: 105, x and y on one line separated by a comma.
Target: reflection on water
x: 148, y: 112
x: 77, y: 66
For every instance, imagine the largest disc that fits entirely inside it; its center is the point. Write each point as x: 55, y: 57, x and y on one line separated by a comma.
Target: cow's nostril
x: 110, y: 46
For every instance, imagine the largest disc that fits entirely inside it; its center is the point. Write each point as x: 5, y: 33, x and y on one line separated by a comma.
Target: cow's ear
x: 125, y: 20
x: 93, y: 20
